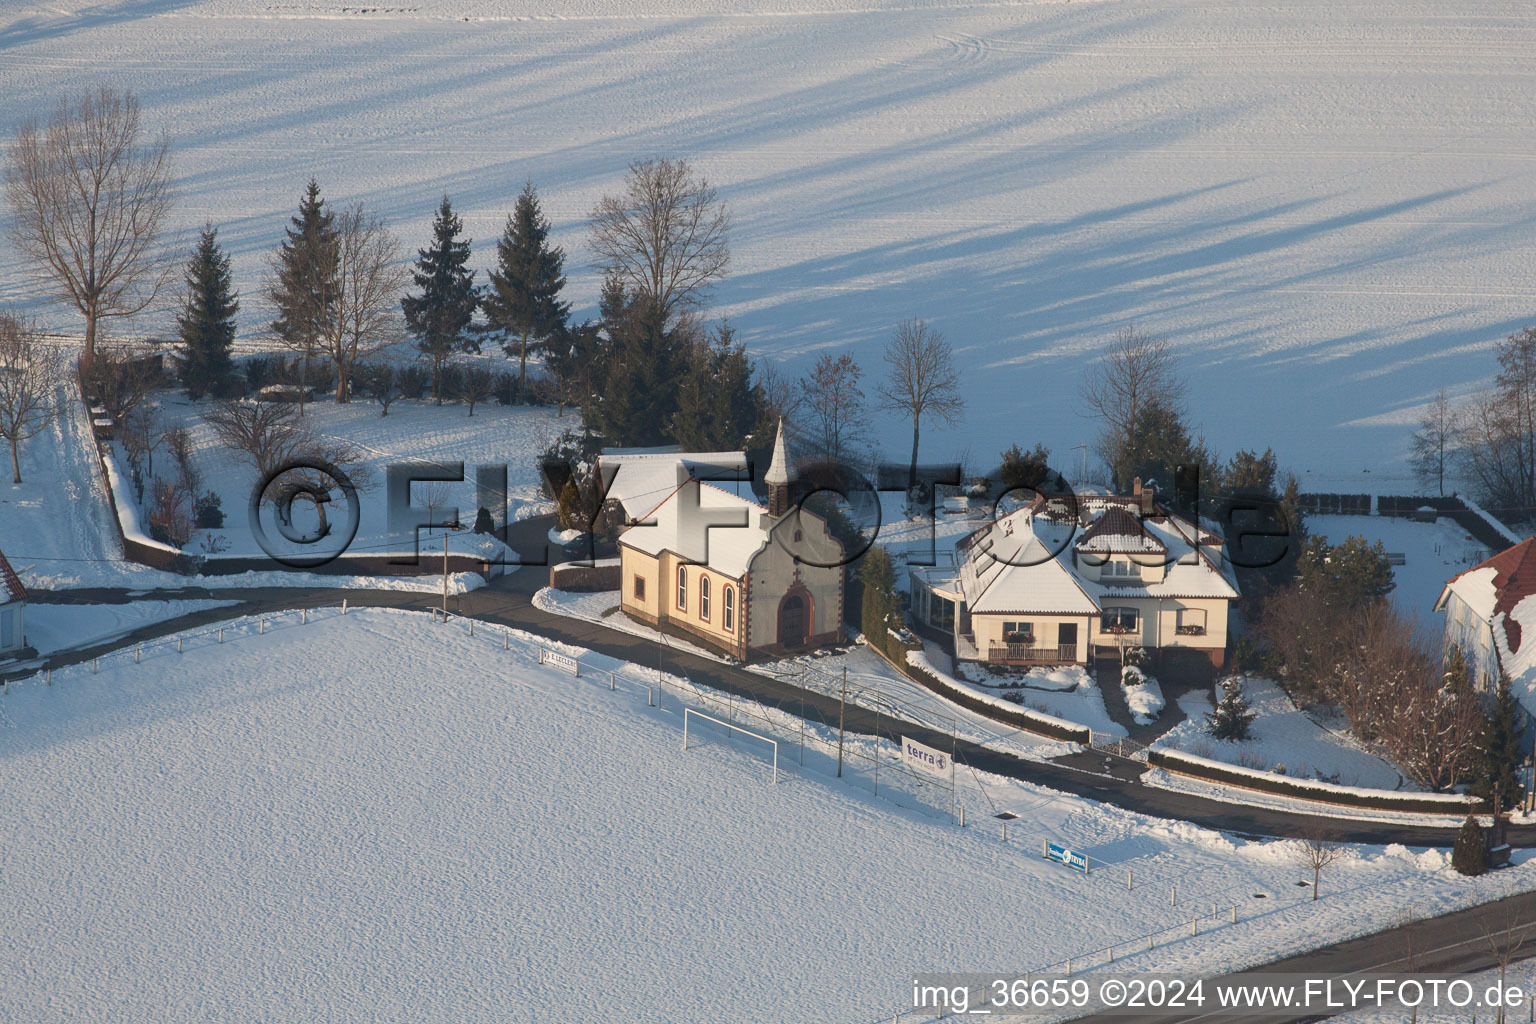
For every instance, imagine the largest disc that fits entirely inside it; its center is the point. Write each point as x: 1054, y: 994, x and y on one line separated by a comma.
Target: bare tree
x: 1506, y: 933
x: 121, y: 378
x: 476, y: 386
x: 382, y: 386
x: 29, y: 386
x: 365, y: 316
x: 140, y: 434
x: 923, y: 381
x: 834, y: 408
x: 88, y: 200
x: 271, y: 436
x: 664, y: 238
x: 434, y: 497
x: 1317, y: 850
x: 1137, y: 373
x: 1433, y: 446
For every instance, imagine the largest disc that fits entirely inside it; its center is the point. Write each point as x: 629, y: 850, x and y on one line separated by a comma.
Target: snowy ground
x: 55, y: 627
x: 1326, y: 202
x: 872, y: 681
x: 375, y: 815
x: 1283, y: 735
x: 415, y: 431
x: 1435, y: 552
x: 56, y: 527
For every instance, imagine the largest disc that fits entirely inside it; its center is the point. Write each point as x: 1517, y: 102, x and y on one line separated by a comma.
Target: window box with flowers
x: 1117, y: 630
x: 1191, y: 631
x: 1019, y: 638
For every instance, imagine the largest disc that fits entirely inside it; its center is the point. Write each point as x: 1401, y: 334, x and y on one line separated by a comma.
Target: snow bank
x: 128, y: 507
x: 1143, y: 695
x: 1311, y: 789
x: 977, y: 699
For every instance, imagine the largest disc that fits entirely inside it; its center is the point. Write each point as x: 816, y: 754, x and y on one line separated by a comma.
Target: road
x: 507, y: 601
x: 1459, y: 943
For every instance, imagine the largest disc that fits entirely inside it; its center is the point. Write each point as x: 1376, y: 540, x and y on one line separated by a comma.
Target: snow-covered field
x: 1282, y: 735
x: 55, y: 627
x: 1434, y: 553
x: 872, y: 681
x: 378, y: 816
x: 1325, y: 206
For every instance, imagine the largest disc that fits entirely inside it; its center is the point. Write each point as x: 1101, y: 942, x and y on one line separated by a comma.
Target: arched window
x: 728, y: 618
x: 682, y: 588
x: 704, y: 598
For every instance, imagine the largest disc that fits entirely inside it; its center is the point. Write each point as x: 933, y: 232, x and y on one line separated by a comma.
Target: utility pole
x: 445, y: 576
x: 841, y: 700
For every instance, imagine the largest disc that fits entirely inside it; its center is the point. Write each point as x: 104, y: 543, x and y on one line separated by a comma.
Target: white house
x: 1063, y: 580
x: 1490, y: 615
x: 13, y: 606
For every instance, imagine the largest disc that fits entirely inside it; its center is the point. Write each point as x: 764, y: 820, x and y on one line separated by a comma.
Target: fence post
x: 962, y: 815
x: 1150, y: 937
x: 304, y: 616
x: 506, y: 639
x: 1194, y: 926
x: 1173, y: 895
x: 1069, y: 965
x: 221, y: 634
x: 1005, y: 830
x: 611, y: 684
x: 262, y: 625
x: 50, y: 677
x: 136, y: 652
x: 178, y: 645
x: 471, y: 627
x: 1127, y: 880
x: 1234, y: 921
x: 343, y: 606
x: 93, y: 665
x: 650, y: 696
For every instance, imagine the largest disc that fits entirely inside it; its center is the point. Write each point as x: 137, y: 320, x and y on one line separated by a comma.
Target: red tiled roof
x: 10, y: 584
x: 1513, y: 582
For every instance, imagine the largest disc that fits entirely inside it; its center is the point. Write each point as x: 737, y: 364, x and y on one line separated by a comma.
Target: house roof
x: 11, y: 589
x: 644, y: 478
x: 1493, y: 589
x: 1116, y: 530
x: 1016, y: 563
x: 1012, y: 566
x: 703, y: 524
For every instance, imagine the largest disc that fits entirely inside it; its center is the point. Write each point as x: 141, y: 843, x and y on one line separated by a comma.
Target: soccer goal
x: 732, y: 726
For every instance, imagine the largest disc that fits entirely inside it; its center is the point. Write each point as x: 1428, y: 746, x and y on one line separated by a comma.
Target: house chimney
x: 1148, y: 498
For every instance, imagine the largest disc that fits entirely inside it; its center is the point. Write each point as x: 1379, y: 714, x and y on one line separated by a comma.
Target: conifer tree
x: 207, y: 320
x: 1470, y: 854
x: 717, y: 402
x: 523, y: 297
x: 642, y: 359
x: 439, y: 317
x: 304, y: 282
x: 877, y: 574
x: 1231, y: 719
x: 1500, y: 763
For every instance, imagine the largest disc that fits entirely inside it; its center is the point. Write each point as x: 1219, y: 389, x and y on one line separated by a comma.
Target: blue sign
x: 1061, y: 855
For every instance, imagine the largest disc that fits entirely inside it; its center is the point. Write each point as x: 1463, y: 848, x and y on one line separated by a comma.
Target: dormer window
x: 1122, y: 569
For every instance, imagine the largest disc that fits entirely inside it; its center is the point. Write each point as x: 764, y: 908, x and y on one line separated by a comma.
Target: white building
x: 1491, y: 615
x: 1063, y: 580
x: 13, y: 606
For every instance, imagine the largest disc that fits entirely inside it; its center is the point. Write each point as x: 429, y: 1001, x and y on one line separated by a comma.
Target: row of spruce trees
x: 639, y: 375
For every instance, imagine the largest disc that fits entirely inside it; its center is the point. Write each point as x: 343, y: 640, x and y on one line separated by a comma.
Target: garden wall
x: 1219, y: 772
